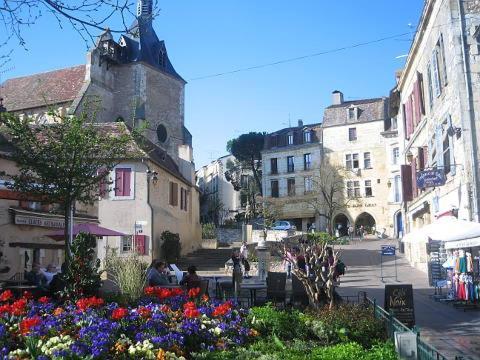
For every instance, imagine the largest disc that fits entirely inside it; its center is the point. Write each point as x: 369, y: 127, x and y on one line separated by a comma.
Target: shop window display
x: 463, y: 276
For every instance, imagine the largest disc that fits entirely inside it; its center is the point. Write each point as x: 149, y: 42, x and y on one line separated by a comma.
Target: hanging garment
x: 469, y: 262
x: 471, y: 289
x: 462, y: 265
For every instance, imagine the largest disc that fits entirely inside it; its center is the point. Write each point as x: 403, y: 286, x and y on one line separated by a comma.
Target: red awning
x: 93, y: 229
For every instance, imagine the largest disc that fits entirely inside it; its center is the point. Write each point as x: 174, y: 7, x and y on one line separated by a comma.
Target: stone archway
x: 341, y: 223
x: 367, y: 221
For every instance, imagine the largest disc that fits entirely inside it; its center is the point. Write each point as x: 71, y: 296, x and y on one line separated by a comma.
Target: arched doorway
x: 341, y: 223
x: 398, y: 221
x: 367, y: 221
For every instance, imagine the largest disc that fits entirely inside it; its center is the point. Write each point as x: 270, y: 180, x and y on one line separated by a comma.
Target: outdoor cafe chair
x: 276, y: 287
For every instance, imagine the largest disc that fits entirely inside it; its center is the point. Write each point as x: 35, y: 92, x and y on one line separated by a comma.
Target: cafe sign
x: 431, y: 178
x: 39, y: 221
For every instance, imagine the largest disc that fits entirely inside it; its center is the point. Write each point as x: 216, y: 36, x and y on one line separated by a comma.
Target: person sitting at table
x: 191, y: 280
x: 49, y: 273
x: 156, y: 274
x: 36, y: 276
x: 57, y: 285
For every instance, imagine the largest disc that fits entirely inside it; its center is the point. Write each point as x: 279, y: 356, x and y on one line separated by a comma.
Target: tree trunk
x: 256, y: 177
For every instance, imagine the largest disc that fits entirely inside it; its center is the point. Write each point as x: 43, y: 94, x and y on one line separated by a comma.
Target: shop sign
x: 39, y: 221
x: 388, y: 250
x: 431, y: 178
x: 399, y: 301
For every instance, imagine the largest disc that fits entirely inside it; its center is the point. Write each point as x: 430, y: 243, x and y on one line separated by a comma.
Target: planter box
x: 209, y: 244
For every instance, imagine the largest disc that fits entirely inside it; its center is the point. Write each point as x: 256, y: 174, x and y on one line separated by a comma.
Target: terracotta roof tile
x: 38, y: 90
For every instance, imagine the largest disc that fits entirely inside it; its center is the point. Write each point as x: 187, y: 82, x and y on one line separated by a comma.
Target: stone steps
x: 206, y: 259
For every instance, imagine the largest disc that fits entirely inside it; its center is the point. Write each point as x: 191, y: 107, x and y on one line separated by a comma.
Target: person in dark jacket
x: 191, y: 280
x: 156, y: 274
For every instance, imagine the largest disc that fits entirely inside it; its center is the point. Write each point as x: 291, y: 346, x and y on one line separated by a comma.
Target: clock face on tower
x: 161, y: 133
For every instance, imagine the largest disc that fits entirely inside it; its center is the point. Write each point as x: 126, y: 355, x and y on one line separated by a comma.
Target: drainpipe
x: 471, y: 117
x: 151, y: 208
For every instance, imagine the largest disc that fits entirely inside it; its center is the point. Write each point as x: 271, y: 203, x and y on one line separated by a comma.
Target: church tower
x: 140, y: 86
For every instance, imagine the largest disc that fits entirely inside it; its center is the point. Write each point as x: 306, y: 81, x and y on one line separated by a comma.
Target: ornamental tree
x: 64, y: 161
x: 247, y: 149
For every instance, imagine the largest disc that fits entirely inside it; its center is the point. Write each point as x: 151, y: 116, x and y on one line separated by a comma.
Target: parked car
x: 283, y: 225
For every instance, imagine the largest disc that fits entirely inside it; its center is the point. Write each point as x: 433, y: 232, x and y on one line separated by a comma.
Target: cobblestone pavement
x: 453, y: 332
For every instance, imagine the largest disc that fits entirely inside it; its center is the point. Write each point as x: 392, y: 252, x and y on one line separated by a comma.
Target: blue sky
x: 215, y: 36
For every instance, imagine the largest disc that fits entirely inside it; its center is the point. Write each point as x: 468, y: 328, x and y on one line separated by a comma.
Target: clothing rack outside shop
x: 425, y: 351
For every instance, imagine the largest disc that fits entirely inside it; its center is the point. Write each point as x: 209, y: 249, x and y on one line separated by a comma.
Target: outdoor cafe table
x: 19, y: 289
x: 253, y: 286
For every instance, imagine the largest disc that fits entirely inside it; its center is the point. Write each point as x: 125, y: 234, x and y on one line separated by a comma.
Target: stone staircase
x: 207, y: 260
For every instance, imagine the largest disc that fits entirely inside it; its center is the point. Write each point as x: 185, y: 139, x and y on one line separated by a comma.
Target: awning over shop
x: 453, y: 232
x: 93, y: 229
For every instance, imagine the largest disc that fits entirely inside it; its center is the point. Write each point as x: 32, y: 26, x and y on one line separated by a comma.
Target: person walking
x: 244, y: 258
x: 236, y: 274
x: 362, y: 232
x: 351, y: 232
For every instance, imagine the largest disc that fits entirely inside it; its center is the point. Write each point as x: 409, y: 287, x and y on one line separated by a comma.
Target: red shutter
x: 406, y: 174
x: 421, y: 159
x: 103, y: 182
x: 123, y: 181
x: 119, y: 182
x: 416, y: 99
x: 408, y: 118
x: 405, y: 129
x: 141, y: 244
x: 127, y: 176
x: 414, y: 178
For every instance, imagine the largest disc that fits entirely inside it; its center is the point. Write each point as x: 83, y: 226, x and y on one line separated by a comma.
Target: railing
x: 425, y: 351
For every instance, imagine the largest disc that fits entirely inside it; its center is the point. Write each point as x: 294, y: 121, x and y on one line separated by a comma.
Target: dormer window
x: 290, y: 139
x: 307, y: 136
x: 161, y: 58
x: 352, y: 113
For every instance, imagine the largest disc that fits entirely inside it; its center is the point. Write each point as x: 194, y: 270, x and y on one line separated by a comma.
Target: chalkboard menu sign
x: 399, y: 300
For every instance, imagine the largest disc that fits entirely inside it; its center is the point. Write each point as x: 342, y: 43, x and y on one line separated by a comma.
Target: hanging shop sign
x: 399, y: 301
x: 431, y: 178
x: 39, y: 221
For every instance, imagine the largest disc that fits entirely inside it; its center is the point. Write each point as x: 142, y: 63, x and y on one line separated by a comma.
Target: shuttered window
x: 123, y: 181
x: 435, y: 74
x: 406, y: 174
x: 141, y: 245
x: 173, y: 194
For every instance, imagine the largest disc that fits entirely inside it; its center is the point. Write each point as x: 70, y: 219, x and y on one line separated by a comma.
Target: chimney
x: 300, y: 123
x: 337, y: 97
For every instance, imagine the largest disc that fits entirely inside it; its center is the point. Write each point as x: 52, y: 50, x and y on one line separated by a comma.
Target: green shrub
x: 347, y: 351
x: 347, y: 323
x: 382, y: 351
x: 82, y: 276
x: 209, y: 231
x: 320, y: 237
x: 286, y: 325
x: 171, y: 246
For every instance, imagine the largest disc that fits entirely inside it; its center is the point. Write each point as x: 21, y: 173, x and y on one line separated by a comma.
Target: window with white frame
x: 367, y: 160
x: 290, y: 139
x: 307, y: 136
x: 351, y: 161
x: 123, y: 185
x: 307, y: 161
x: 397, y: 186
x: 126, y: 244
x: 368, y: 188
x: 308, y: 183
x: 352, y: 114
x: 352, y: 134
x: 395, y: 155
x: 353, y: 189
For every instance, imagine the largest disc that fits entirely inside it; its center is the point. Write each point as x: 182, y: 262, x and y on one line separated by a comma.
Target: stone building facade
x: 130, y: 81
x: 438, y: 112
x: 220, y: 200
x: 290, y: 160
x: 354, y: 137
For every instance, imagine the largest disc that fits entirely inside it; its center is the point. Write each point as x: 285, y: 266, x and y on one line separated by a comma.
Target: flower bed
x: 167, y: 324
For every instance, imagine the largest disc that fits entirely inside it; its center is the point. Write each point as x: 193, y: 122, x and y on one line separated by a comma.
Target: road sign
x: 388, y: 250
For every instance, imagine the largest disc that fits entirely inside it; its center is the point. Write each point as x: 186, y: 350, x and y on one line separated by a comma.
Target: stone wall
x: 228, y: 236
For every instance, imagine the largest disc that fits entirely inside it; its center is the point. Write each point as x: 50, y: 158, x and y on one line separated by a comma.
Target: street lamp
x: 409, y: 156
x: 389, y: 183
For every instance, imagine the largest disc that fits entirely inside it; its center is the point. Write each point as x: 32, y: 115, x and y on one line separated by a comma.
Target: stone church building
x: 130, y: 81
